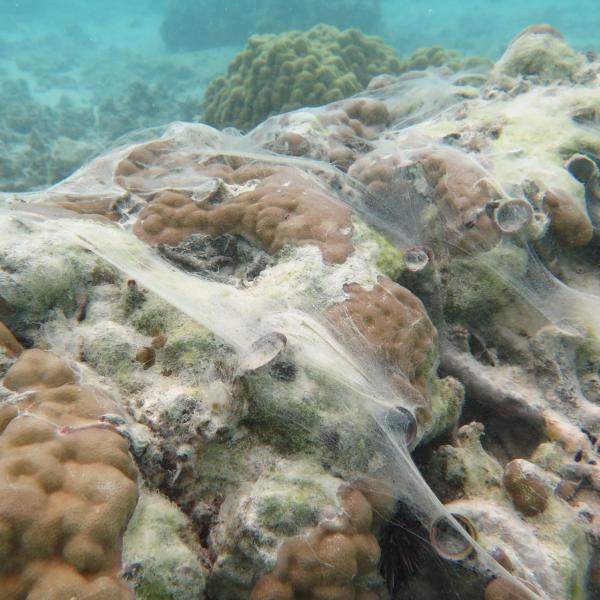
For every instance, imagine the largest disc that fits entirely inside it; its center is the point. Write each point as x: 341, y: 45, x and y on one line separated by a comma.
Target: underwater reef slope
x: 353, y: 354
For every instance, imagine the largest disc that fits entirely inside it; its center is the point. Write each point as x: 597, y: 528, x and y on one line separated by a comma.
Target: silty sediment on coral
x: 278, y: 73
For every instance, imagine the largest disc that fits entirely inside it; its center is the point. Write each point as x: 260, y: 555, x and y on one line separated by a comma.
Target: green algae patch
x: 288, y: 512
x: 245, y: 459
x: 313, y: 416
x: 293, y: 499
x: 193, y: 350
x: 108, y: 348
x: 150, y: 314
x: 278, y: 417
x: 478, y: 286
x: 189, y: 349
x: 56, y: 280
x: 447, y: 399
x: 160, y: 552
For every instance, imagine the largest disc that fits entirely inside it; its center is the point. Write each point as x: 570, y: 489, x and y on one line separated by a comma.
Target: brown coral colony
x: 67, y: 486
x: 526, y: 489
x: 68, y: 483
x: 283, y: 208
x: 332, y: 561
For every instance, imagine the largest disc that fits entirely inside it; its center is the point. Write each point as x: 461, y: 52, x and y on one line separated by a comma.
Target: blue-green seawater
x: 75, y: 75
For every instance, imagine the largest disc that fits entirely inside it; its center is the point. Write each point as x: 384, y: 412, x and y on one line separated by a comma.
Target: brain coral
x: 278, y: 73
x: 67, y: 487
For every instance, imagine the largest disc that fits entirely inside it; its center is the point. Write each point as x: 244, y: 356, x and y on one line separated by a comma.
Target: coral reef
x: 278, y: 73
x: 438, y: 56
x: 282, y: 209
x: 539, y: 51
x: 275, y: 74
x: 63, y: 102
x: 160, y: 554
x: 393, y: 322
x: 355, y: 342
x: 333, y: 560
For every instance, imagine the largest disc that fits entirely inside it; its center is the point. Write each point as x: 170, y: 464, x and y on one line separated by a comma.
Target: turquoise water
x: 74, y: 75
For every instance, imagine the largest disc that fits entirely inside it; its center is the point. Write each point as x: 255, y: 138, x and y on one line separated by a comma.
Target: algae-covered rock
x: 50, y: 278
x: 488, y: 495
x: 541, y: 51
x: 182, y: 346
x: 387, y: 257
x: 286, y: 500
x: 162, y: 556
x: 310, y: 422
x: 192, y: 351
x: 447, y: 401
x: 108, y: 347
x: 278, y: 73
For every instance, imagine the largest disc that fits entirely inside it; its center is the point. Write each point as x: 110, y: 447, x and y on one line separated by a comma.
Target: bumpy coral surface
x: 68, y: 486
x: 279, y: 73
x: 282, y: 209
x: 539, y: 51
x: 287, y: 314
x: 334, y: 560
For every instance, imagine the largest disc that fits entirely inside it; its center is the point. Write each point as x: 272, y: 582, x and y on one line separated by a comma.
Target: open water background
x: 101, y: 67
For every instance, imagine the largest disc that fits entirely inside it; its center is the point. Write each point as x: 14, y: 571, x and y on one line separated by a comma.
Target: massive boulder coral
x: 438, y: 56
x: 275, y: 74
x: 69, y: 485
x: 393, y: 322
x: 334, y: 560
x: 459, y: 185
x: 278, y: 73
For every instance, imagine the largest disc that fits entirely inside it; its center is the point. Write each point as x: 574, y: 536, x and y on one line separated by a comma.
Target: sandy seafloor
x: 76, y: 75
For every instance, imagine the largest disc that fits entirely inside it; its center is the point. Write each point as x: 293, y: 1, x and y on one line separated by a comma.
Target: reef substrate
x: 218, y: 351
